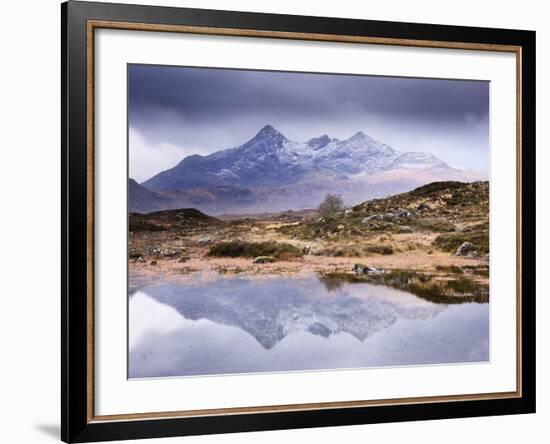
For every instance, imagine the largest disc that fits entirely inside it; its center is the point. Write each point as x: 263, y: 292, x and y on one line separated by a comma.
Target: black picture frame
x: 76, y: 423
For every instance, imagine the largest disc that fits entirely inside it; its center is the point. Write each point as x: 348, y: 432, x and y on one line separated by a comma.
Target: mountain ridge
x: 273, y: 172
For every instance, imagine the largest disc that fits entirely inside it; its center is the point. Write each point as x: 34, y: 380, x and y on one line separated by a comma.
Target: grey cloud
x: 201, y: 110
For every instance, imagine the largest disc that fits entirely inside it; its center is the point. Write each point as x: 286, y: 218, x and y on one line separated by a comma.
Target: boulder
x: 367, y: 219
x: 264, y: 260
x: 204, y: 241
x: 400, y: 212
x: 134, y: 254
x: 467, y: 249
x: 154, y: 251
x: 423, y: 207
x: 363, y: 269
x: 169, y: 252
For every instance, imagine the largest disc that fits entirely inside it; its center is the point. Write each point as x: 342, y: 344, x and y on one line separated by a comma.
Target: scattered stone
x: 154, y: 251
x: 264, y: 260
x: 134, y: 254
x: 204, y: 241
x: 348, y: 211
x: 306, y: 249
x: 183, y: 259
x: 367, y: 219
x: 389, y: 216
x: 402, y: 213
x: 423, y: 207
x: 153, y: 263
x: 169, y: 252
x: 141, y: 260
x: 467, y: 249
x: 340, y: 227
x: 363, y: 269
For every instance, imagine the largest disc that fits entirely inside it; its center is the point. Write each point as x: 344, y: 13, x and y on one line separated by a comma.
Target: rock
x: 423, y: 207
x: 154, y: 251
x: 389, y: 216
x: 348, y: 211
x: 168, y: 252
x: 134, y: 254
x: 306, y: 249
x: 467, y: 249
x: 367, y: 219
x: 400, y: 212
x: 363, y: 269
x: 153, y: 263
x: 204, y: 241
x: 183, y: 259
x: 264, y: 260
x: 141, y: 259
x: 340, y: 227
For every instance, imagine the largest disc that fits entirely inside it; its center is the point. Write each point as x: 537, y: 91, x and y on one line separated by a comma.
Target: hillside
x: 452, y: 212
x: 183, y: 219
x: 143, y: 200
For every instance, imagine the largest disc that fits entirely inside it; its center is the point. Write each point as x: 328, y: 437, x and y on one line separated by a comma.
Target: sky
x: 174, y: 112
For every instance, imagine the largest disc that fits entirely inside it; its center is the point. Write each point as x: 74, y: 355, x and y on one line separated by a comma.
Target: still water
x: 229, y: 325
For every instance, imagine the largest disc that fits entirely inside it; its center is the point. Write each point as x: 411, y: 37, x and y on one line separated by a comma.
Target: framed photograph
x: 275, y: 221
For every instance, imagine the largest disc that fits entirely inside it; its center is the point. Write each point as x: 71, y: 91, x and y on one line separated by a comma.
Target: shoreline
x: 439, y: 268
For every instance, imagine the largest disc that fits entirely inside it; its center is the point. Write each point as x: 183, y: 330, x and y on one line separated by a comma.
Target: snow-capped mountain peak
x: 270, y: 159
x: 269, y: 165
x: 360, y: 136
x: 269, y: 134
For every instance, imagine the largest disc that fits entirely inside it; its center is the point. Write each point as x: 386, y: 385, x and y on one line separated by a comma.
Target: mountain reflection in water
x: 239, y: 325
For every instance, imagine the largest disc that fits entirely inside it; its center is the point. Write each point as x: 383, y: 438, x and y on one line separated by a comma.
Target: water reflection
x: 234, y: 325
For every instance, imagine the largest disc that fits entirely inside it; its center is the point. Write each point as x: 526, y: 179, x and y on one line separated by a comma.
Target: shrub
x: 379, y: 249
x: 330, y: 205
x: 449, y: 269
x: 254, y: 249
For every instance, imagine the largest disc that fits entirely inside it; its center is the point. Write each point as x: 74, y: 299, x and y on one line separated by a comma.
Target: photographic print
x: 296, y: 221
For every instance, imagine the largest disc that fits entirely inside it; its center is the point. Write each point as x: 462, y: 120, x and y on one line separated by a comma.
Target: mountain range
x: 272, y: 173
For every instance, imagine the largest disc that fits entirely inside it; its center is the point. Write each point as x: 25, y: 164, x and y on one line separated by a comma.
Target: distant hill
x: 185, y: 218
x: 143, y: 200
x: 271, y: 173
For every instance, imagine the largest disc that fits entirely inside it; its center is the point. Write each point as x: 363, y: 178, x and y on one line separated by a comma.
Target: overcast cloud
x: 176, y: 111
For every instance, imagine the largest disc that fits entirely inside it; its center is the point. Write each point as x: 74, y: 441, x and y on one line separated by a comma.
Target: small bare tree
x: 330, y: 205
